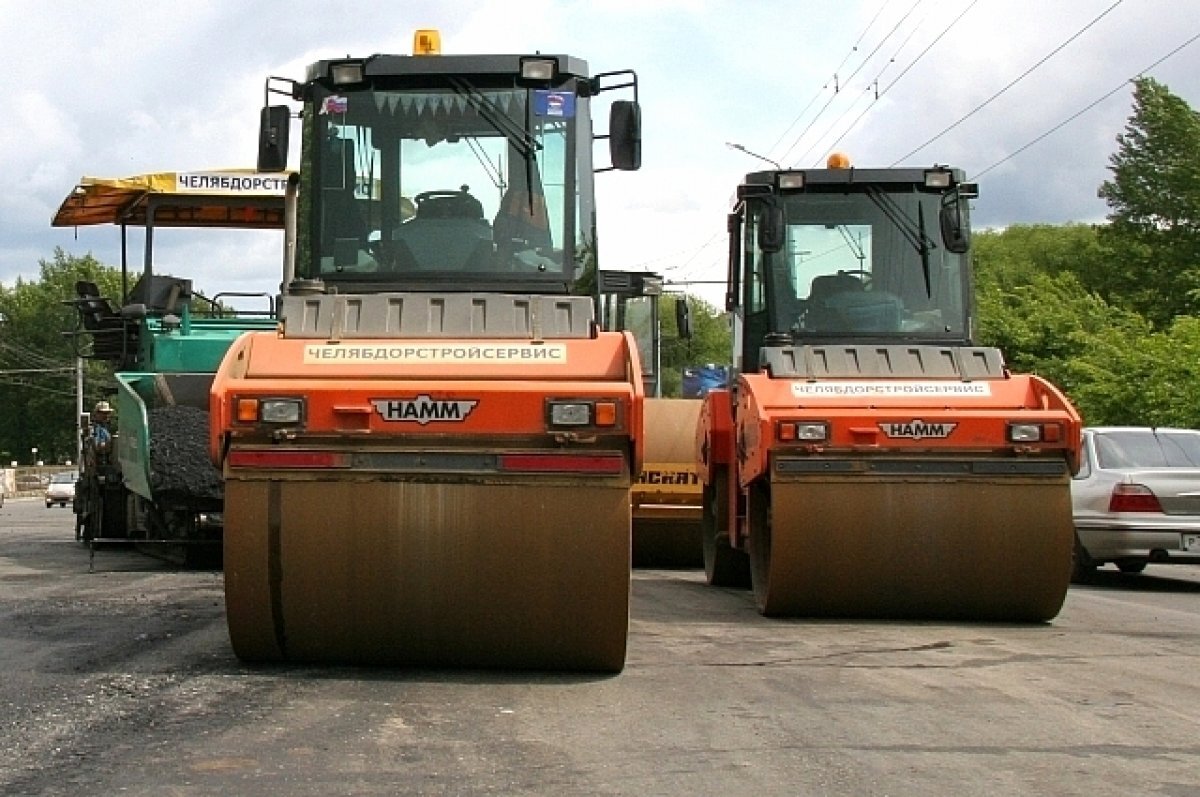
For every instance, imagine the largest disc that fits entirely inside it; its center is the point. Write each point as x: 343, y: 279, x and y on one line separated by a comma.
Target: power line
x: 25, y: 356
x: 837, y: 88
x: 911, y: 64
x: 16, y: 371
x: 1085, y: 109
x: 853, y: 49
x: 1014, y: 82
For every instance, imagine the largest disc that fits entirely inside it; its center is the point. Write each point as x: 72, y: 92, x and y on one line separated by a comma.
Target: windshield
x: 444, y: 184
x: 868, y: 264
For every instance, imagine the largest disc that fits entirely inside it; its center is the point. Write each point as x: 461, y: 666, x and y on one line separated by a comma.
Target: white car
x: 60, y: 490
x: 1136, y: 498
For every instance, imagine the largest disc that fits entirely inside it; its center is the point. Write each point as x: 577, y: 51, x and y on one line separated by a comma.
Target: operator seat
x: 842, y: 303
x: 447, y: 233
x: 113, y: 337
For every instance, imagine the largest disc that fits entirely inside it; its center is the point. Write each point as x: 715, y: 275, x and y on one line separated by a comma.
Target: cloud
x: 126, y: 87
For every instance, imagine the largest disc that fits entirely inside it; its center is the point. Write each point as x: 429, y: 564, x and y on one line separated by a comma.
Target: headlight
x: 802, y: 431
x: 280, y: 410
x: 1024, y: 432
x: 538, y: 68
x: 604, y: 413
x: 570, y: 413
x: 273, y: 410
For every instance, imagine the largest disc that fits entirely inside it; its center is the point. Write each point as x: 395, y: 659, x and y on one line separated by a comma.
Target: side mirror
x: 956, y: 230
x: 273, y: 129
x: 625, y: 135
x: 683, y: 319
x: 772, y: 229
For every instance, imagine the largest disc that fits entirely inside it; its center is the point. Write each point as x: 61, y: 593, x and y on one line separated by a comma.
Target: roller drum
x: 666, y: 518
x: 973, y: 550
x: 402, y: 573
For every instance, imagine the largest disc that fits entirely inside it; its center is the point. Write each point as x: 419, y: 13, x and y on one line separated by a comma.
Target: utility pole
x: 78, y: 412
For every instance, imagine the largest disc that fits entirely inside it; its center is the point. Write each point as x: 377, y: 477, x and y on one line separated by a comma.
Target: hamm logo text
x: 917, y: 429
x: 423, y: 409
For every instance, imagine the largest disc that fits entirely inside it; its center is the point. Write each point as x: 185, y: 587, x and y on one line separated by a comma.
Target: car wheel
x: 1132, y: 565
x: 1083, y: 568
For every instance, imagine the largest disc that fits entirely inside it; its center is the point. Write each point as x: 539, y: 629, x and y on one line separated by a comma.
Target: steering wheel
x: 424, y: 195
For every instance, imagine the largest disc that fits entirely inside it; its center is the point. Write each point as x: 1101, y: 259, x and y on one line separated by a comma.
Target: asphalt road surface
x: 122, y: 681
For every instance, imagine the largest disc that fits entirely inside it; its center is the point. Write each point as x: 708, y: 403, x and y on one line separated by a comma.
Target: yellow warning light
x: 838, y: 160
x: 427, y: 41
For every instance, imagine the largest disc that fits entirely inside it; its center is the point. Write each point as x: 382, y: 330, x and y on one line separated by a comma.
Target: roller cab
x: 429, y: 462
x: 871, y: 461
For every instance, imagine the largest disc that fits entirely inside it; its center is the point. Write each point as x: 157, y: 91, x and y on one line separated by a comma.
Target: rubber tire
x: 1083, y: 568
x: 723, y: 566
x: 1132, y: 565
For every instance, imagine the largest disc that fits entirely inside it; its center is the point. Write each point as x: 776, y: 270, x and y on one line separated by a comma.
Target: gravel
x: 179, y: 463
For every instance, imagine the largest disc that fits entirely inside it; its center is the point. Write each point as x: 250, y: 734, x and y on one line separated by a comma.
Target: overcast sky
x: 120, y: 88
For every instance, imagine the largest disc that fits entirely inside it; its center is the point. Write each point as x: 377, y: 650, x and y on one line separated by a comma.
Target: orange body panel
x: 974, y: 416
x: 341, y: 385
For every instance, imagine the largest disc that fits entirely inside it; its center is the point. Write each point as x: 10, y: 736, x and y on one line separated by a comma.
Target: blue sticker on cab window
x: 554, y: 103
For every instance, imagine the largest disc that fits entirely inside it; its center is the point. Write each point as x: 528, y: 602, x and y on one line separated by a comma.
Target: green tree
x: 1154, y: 201
x: 711, y: 341
x: 1117, y: 369
x: 37, y: 392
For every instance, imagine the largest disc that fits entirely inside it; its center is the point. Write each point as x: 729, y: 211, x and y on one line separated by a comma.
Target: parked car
x: 61, y: 489
x: 1136, y: 499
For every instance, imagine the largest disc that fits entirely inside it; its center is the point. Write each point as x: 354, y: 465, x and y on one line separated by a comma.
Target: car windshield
x: 1148, y: 449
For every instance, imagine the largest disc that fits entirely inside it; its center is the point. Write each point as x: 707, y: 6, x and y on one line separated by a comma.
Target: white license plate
x: 1191, y: 542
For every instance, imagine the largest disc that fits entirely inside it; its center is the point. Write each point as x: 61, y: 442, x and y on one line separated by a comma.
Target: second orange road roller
x: 429, y: 462
x: 871, y: 460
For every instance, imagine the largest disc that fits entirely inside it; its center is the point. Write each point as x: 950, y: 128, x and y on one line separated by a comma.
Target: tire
x: 1132, y: 565
x: 723, y: 566
x: 1083, y: 567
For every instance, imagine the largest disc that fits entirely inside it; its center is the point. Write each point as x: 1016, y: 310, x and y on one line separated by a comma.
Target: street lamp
x: 741, y: 148
x: 34, y: 452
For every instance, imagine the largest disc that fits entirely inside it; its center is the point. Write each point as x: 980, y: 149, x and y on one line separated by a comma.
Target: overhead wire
x: 837, y: 89
x: 1012, y: 83
x: 853, y: 49
x: 871, y: 87
x: 903, y: 72
x: 21, y: 355
x: 1085, y: 109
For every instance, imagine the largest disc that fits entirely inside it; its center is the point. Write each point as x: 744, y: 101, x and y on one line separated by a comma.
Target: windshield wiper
x: 520, y: 138
x: 914, y: 232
